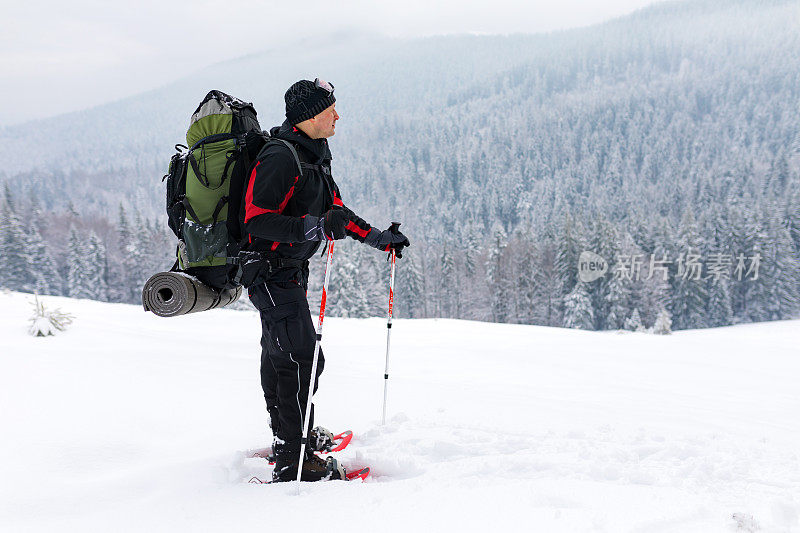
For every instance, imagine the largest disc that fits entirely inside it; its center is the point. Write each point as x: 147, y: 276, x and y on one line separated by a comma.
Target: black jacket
x: 278, y: 196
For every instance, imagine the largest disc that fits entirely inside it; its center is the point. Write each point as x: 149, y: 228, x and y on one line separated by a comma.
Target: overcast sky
x: 58, y: 56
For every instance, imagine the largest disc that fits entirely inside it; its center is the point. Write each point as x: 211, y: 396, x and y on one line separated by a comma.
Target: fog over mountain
x: 670, y: 131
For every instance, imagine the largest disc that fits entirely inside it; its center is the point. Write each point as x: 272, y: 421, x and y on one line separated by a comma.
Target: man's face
x: 325, y: 123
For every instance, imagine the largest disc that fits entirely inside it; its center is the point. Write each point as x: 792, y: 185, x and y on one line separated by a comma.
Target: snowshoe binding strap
x: 335, y: 470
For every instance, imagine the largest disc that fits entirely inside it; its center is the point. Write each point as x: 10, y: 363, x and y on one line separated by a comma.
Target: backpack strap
x: 292, y: 149
x: 186, y: 205
x: 300, y: 165
x: 320, y: 168
x: 230, y: 159
x: 196, y: 168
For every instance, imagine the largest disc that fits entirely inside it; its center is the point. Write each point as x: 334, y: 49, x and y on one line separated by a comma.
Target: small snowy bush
x: 745, y: 522
x: 634, y: 322
x: 45, y: 322
x: 663, y: 325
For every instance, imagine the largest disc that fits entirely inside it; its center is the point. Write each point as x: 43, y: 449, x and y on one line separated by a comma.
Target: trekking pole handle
x: 394, y: 228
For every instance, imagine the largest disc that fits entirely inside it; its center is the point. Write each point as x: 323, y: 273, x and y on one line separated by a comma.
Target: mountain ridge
x: 17, y: 156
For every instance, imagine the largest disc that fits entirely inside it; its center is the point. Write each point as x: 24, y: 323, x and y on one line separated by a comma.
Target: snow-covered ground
x: 130, y: 422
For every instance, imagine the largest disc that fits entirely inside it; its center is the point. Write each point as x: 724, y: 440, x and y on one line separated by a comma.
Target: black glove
x: 329, y: 226
x: 388, y: 239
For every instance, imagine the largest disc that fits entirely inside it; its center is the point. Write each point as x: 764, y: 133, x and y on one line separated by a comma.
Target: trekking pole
x: 307, y: 420
x: 393, y: 228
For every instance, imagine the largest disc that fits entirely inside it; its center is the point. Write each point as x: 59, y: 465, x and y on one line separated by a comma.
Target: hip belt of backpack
x: 252, y: 265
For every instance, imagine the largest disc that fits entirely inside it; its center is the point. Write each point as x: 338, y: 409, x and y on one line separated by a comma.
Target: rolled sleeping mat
x: 177, y: 293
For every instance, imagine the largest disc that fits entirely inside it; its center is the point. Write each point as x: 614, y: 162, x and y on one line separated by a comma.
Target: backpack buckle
x: 183, y: 255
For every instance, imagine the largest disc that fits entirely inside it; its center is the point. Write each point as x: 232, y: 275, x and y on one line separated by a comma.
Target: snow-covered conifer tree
x: 634, y: 322
x: 43, y: 266
x: 409, y: 286
x: 15, y: 257
x: 605, y: 242
x: 569, y: 248
x: 497, y: 276
x: 690, y: 298
x: 578, y: 312
x: 619, y: 301
x: 96, y: 266
x: 523, y: 262
x: 449, y: 280
x: 79, y: 281
x: 119, y: 261
x: 718, y: 311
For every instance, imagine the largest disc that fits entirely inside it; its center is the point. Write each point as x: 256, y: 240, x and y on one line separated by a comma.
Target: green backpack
x: 205, y: 185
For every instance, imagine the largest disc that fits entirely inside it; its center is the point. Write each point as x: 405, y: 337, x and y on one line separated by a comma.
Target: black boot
x: 314, y: 468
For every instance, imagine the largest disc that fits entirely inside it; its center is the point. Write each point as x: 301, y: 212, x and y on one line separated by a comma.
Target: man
x: 289, y: 212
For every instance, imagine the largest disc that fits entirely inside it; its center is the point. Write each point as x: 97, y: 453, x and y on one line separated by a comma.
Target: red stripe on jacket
x: 251, y: 209
x: 355, y: 229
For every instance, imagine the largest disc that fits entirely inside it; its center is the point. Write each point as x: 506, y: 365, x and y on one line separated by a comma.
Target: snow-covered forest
x: 79, y: 256
x: 666, y: 142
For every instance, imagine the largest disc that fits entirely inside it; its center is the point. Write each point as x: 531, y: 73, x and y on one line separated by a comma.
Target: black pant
x: 287, y: 352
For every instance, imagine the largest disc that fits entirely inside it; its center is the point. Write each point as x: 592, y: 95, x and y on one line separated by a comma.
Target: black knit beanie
x: 305, y: 100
